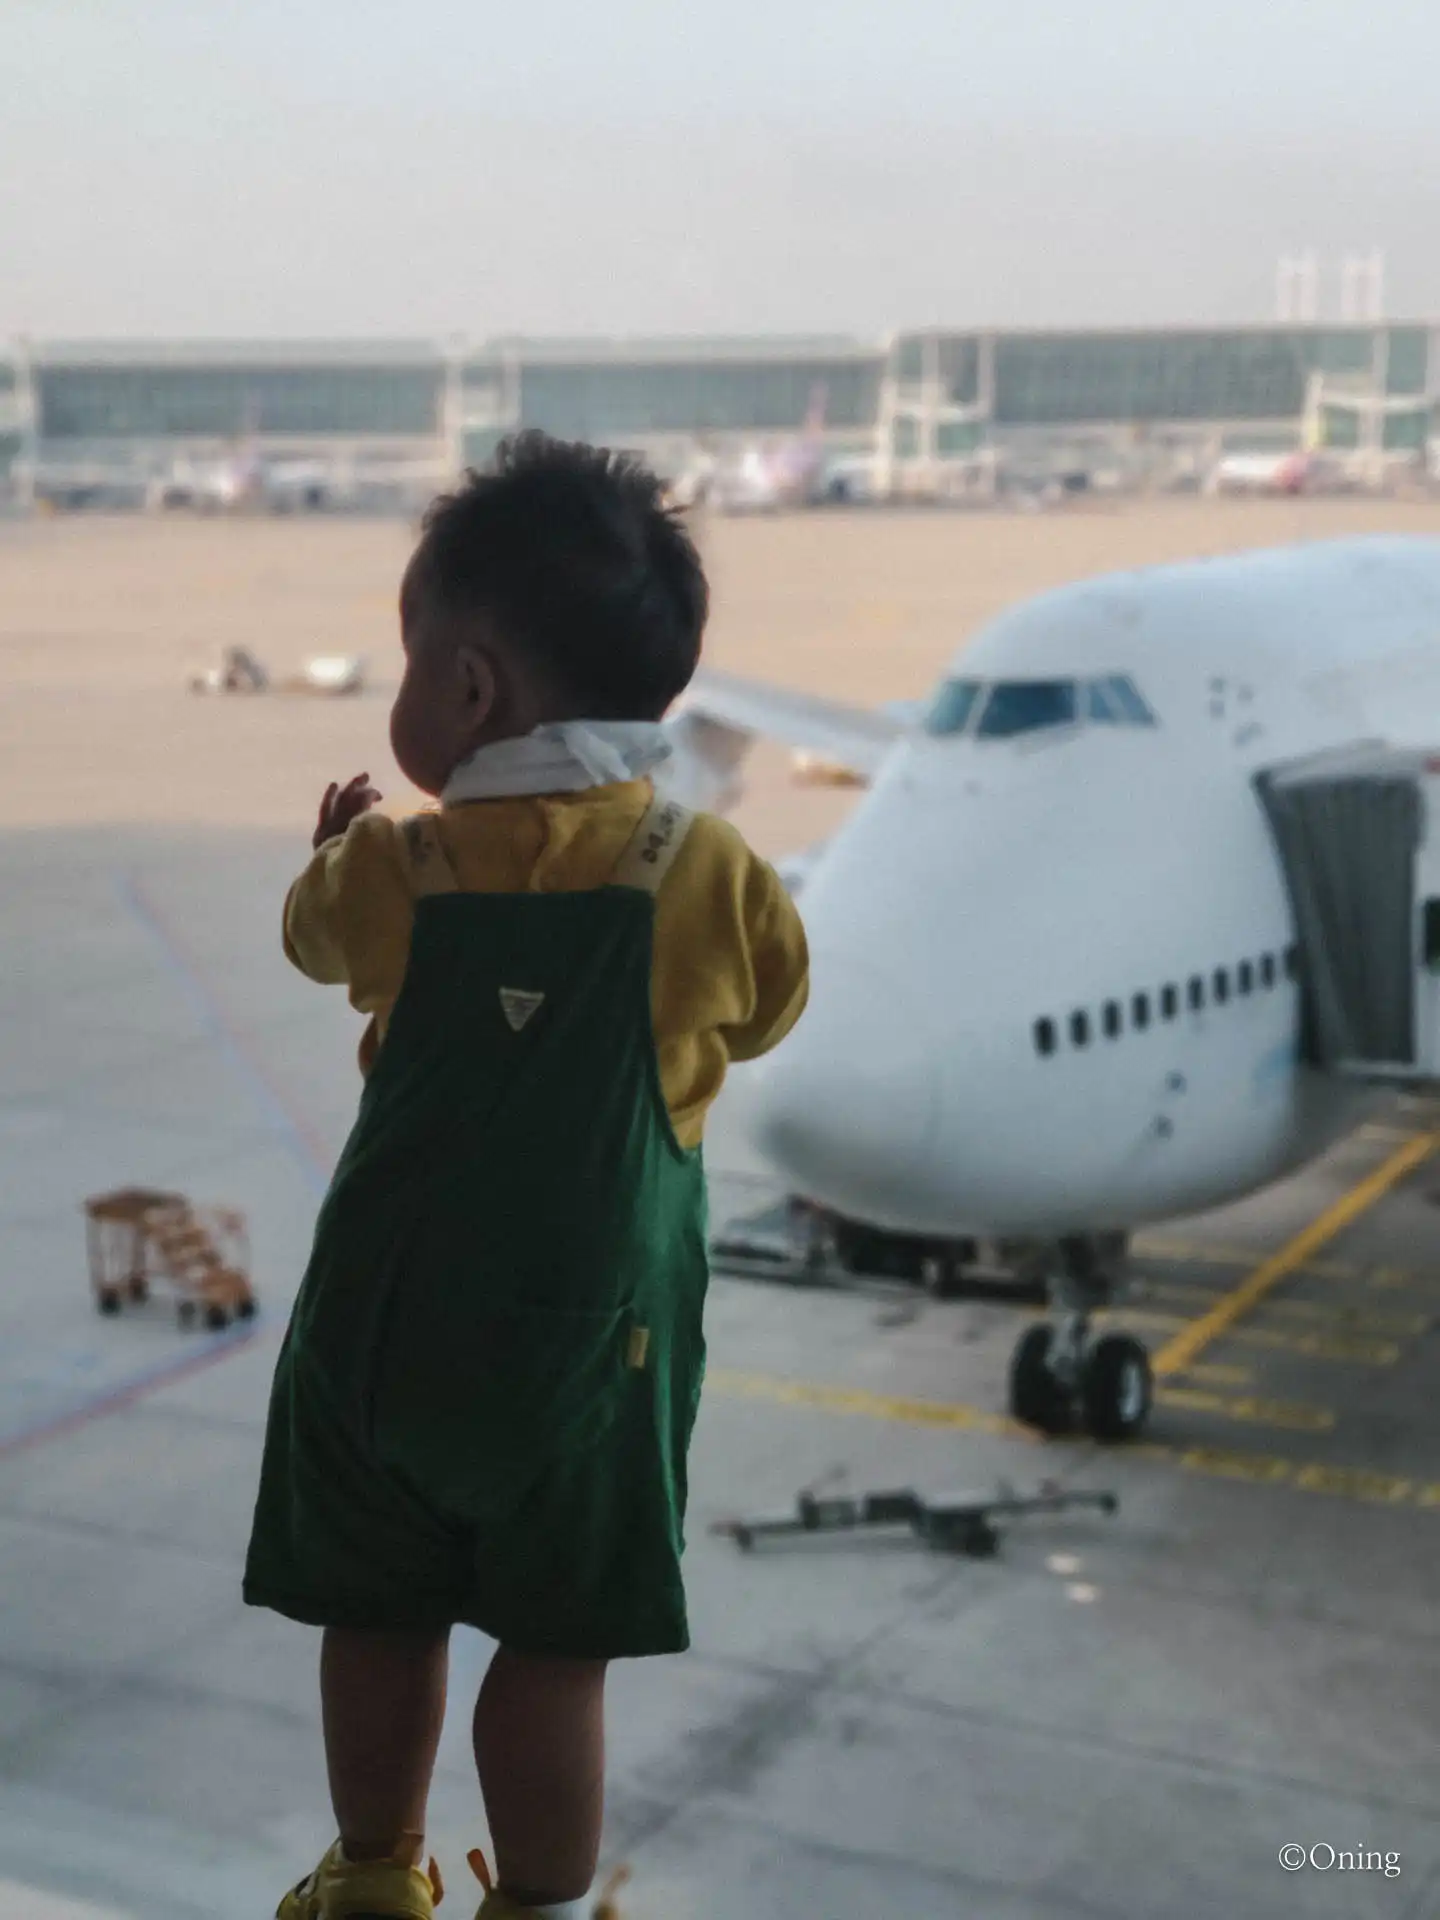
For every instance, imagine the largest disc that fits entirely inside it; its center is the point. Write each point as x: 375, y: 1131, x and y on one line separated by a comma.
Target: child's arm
x: 347, y: 918
x: 314, y: 919
x: 779, y: 962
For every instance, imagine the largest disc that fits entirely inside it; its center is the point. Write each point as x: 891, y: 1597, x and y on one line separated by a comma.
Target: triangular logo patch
x: 519, y: 1006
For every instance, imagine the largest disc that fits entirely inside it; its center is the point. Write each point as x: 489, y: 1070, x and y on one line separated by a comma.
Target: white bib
x: 566, y: 756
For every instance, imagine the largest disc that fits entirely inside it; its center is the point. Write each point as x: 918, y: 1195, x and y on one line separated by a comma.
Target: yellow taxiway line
x: 1343, y: 1347
x: 1181, y: 1352
x: 1219, y: 1463
x: 1178, y: 1356
x: 1340, y: 1318
x: 1297, y: 1416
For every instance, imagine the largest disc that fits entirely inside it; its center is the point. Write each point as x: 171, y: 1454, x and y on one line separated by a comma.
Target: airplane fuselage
x: 1054, y: 977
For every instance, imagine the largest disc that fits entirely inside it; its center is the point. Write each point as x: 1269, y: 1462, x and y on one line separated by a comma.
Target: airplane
x: 299, y: 486
x: 791, y: 473
x: 1273, y: 473
x: 1057, y: 985
x: 692, y: 485
x: 207, y: 486
x: 245, y: 479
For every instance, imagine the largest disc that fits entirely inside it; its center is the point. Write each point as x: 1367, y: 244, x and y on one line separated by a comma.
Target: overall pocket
x: 475, y: 1422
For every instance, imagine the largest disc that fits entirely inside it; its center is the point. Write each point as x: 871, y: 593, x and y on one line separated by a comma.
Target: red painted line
x: 293, y: 1131
x: 56, y: 1426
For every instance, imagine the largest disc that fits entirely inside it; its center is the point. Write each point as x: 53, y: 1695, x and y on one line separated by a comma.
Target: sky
x: 257, y: 168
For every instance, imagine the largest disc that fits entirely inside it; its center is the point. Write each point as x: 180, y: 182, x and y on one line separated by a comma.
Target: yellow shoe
x: 496, y: 1907
x: 341, y: 1889
x: 605, y: 1907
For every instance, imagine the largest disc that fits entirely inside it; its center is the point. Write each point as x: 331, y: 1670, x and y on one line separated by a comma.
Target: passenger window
x: 1222, y: 984
x: 1080, y: 1029
x: 1027, y: 706
x: 1140, y: 1010
x: 1267, y: 969
x: 1196, y: 993
x: 1112, y: 1019
x: 1169, y: 1002
x: 1245, y: 977
x: 1045, y: 1036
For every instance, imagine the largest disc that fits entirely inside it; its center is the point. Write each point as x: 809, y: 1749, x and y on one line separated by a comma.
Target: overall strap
x: 644, y: 863
x: 430, y: 868
x: 653, y: 846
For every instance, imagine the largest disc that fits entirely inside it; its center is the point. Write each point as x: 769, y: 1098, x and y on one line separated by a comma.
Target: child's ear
x: 477, y: 683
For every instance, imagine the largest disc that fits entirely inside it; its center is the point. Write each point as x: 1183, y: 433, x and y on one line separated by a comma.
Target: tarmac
x: 1112, y: 1718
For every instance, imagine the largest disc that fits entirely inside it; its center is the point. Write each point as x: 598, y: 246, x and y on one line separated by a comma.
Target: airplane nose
x: 847, y: 1108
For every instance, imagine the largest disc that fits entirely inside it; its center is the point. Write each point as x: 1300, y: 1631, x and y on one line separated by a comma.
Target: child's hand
x: 341, y: 805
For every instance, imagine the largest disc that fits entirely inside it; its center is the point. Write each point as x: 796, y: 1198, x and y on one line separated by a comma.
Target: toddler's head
x: 555, y: 586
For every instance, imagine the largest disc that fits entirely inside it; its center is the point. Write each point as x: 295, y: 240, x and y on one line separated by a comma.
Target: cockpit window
x: 1123, y: 695
x: 953, y: 707
x: 1007, y: 708
x: 1115, y: 702
x: 1025, y: 706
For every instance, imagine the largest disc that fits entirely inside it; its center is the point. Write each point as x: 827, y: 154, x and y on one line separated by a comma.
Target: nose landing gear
x: 1062, y: 1377
x: 1061, y: 1381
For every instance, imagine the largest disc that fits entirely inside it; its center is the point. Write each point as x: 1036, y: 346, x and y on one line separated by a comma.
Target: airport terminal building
x: 920, y: 405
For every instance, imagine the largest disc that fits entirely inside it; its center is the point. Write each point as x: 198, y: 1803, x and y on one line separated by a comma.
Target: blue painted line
x: 212, y: 1349
x: 272, y: 1108
x: 53, y: 1426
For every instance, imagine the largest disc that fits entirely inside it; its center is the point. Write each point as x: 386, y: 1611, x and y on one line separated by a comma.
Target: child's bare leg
x: 383, y: 1700
x: 540, y: 1748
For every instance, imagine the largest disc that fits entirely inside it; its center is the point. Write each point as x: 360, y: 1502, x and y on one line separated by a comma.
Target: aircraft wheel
x: 1117, y: 1388
x: 1037, y: 1398
x: 108, y: 1300
x: 185, y: 1312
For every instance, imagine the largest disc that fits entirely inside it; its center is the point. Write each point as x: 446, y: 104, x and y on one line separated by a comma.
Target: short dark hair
x: 573, y: 553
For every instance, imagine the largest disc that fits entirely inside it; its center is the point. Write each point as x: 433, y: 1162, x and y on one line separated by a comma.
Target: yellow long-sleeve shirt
x: 730, y: 970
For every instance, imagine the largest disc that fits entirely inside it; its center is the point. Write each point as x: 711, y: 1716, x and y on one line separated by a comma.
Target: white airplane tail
x: 815, y: 411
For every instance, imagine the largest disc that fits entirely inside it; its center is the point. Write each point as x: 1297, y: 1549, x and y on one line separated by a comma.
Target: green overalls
x: 483, y: 1404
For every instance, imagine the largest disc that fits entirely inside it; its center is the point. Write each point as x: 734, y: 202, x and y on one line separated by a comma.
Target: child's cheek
x: 407, y: 740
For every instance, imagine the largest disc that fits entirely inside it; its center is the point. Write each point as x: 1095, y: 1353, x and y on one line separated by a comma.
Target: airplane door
x: 1359, y: 838
x: 1427, y: 933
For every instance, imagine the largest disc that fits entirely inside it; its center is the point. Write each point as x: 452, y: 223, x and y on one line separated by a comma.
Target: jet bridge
x: 1358, y: 833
